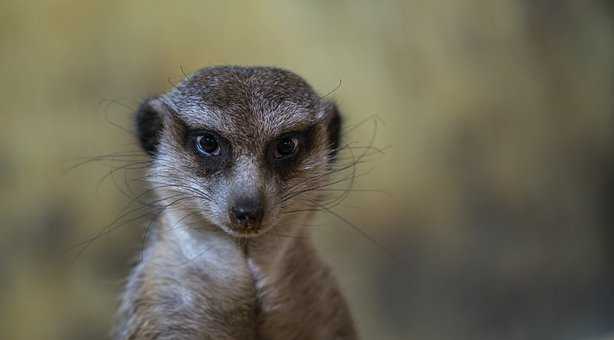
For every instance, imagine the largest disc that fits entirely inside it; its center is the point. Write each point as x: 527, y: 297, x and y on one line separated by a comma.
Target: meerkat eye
x: 207, y: 145
x: 285, y: 147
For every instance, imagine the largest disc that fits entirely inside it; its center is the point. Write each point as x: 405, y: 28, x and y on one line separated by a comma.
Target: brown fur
x: 203, y: 277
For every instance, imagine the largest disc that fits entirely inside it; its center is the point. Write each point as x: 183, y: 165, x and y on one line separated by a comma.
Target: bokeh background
x: 491, y: 216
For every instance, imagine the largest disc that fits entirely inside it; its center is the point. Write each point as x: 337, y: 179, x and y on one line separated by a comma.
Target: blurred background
x: 493, y: 215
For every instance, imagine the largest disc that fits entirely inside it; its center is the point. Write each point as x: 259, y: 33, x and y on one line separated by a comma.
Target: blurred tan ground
x: 496, y: 117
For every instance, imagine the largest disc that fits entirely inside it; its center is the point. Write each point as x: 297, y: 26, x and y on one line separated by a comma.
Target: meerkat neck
x: 200, y: 242
x: 203, y: 246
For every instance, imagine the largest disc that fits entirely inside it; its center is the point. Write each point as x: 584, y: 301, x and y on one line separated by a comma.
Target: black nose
x: 247, y: 212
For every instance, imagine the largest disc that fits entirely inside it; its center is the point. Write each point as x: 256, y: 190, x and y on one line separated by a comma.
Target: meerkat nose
x: 247, y: 212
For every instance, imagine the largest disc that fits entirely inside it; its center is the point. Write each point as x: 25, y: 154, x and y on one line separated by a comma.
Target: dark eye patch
x: 212, y: 151
x: 285, y: 151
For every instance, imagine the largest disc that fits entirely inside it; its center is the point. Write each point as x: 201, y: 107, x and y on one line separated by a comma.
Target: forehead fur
x: 246, y: 101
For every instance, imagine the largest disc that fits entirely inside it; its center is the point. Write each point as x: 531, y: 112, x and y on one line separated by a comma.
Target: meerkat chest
x: 283, y: 305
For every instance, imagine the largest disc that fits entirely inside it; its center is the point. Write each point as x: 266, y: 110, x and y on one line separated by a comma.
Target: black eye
x: 285, y: 147
x: 207, y: 145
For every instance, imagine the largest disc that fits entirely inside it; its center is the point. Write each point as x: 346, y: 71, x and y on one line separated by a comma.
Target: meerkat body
x: 238, y: 155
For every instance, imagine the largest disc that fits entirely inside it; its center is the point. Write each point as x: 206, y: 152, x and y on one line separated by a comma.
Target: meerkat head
x: 243, y: 147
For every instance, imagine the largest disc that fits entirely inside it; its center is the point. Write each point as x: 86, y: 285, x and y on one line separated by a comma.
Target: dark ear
x: 334, y: 130
x: 149, y: 123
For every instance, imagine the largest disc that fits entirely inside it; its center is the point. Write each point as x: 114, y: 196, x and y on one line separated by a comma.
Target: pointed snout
x: 246, y: 212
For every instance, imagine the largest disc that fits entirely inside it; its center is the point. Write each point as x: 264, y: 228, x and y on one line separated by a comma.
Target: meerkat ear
x: 149, y: 124
x: 334, y: 130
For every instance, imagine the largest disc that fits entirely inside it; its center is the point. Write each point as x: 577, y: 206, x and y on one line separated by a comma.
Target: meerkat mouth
x: 252, y: 232
x: 247, y: 231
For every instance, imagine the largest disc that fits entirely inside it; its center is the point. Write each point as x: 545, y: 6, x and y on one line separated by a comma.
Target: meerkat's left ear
x: 334, y: 126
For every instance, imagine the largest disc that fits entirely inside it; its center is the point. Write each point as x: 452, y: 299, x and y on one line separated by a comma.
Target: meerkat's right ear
x: 149, y: 123
x: 334, y: 130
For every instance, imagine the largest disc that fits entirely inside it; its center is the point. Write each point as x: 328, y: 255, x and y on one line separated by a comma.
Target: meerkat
x: 237, y: 157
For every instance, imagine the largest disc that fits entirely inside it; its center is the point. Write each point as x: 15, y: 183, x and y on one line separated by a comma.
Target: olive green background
x: 491, y: 211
